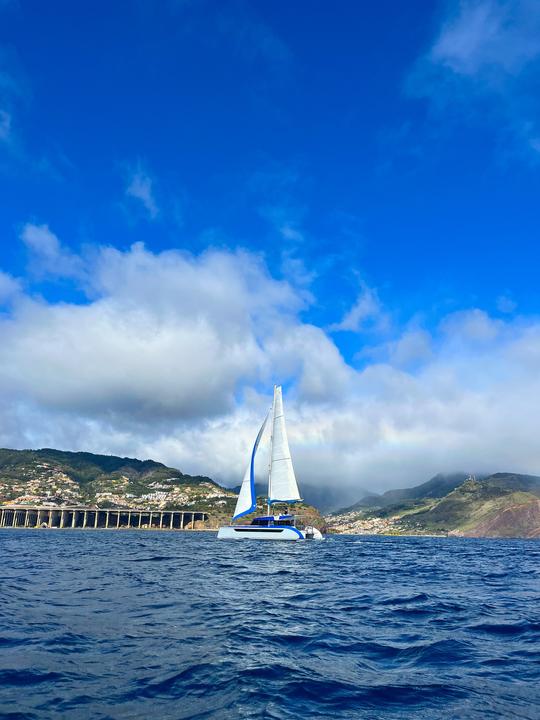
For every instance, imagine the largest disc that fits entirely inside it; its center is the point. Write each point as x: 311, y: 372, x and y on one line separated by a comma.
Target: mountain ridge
x: 499, y: 505
x: 437, y: 486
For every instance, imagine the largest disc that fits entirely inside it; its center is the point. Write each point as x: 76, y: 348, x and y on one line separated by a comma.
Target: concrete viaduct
x: 24, y: 516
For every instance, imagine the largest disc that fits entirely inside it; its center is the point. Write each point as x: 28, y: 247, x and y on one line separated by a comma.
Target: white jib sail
x: 247, y: 497
x: 282, y: 486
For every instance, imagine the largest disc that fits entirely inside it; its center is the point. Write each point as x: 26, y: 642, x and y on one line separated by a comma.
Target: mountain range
x: 437, y: 487
x: 498, y: 505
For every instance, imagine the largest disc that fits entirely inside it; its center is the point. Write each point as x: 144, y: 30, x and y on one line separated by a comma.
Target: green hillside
x: 50, y: 476
x: 477, y: 504
x: 500, y: 505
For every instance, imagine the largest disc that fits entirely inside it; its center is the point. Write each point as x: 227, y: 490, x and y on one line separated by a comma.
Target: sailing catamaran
x: 282, y: 488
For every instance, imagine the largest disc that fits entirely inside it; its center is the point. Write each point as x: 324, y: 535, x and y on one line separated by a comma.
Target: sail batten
x: 282, y: 485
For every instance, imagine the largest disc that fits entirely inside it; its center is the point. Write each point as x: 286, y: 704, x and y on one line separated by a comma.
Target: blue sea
x: 112, y: 624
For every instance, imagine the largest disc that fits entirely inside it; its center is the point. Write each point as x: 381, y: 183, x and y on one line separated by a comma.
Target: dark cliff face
x: 520, y: 519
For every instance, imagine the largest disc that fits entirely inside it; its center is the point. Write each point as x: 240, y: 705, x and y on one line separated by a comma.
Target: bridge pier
x: 81, y: 518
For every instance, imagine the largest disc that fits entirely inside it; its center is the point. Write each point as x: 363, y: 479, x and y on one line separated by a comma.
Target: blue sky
x: 373, y: 168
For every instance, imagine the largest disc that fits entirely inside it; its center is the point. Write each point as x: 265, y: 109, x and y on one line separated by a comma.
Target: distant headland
x: 499, y: 505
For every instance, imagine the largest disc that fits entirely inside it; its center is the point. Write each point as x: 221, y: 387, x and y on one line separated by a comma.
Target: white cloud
x: 489, y: 37
x: 9, y: 287
x: 505, y: 304
x: 141, y: 188
x: 367, y: 313
x: 167, y: 336
x: 173, y: 356
x: 487, y: 51
x: 412, y: 347
x: 289, y: 232
x: 471, y: 326
x: 295, y: 270
x: 48, y: 257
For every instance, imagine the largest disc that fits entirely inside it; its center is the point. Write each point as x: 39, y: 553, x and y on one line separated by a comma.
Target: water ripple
x: 131, y: 625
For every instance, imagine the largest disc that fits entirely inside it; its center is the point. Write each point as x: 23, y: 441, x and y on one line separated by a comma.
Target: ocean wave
x: 180, y: 626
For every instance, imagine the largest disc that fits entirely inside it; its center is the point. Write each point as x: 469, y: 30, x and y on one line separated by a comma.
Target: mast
x: 270, y: 453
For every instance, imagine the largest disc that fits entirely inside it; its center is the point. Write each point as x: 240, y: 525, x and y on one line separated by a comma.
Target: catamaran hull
x: 239, y: 532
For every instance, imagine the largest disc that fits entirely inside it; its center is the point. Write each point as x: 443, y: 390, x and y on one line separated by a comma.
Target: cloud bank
x: 173, y: 356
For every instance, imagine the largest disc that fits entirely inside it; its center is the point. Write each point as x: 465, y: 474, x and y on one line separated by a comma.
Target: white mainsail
x: 247, y: 497
x: 282, y: 486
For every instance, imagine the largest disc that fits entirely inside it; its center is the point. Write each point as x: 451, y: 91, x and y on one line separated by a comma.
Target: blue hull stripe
x: 262, y: 529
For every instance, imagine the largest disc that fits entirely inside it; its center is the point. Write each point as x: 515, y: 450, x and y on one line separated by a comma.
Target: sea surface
x: 143, y: 624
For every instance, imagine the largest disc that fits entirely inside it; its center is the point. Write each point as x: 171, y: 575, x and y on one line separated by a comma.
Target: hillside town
x: 352, y: 523
x: 44, y: 484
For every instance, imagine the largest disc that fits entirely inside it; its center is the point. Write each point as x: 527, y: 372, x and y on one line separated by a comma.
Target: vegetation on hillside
x: 500, y: 505
x: 65, y: 478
